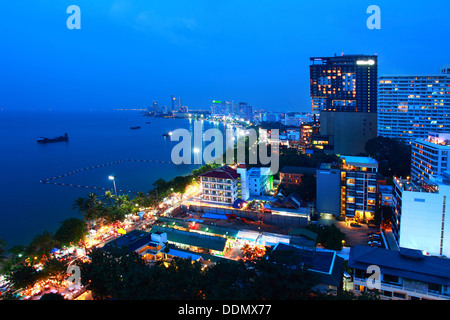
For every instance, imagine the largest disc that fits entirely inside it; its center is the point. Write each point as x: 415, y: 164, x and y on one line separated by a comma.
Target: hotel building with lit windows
x: 344, y: 93
x: 346, y: 83
x: 429, y: 157
x: 220, y: 185
x: 410, y: 106
x: 358, y: 188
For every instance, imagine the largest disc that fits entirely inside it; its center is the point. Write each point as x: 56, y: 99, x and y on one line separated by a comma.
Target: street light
x: 114, y: 182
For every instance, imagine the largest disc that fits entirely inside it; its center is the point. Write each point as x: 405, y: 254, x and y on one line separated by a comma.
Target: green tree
x: 393, y: 156
x: 56, y: 269
x: 227, y: 280
x: 181, y: 279
x: 41, y: 246
x: 23, y: 277
x: 281, y: 277
x: 328, y: 236
x: 117, y: 275
x: 52, y: 296
x: 71, y: 231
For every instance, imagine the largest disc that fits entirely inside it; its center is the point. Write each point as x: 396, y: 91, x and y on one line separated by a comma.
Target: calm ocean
x: 29, y: 207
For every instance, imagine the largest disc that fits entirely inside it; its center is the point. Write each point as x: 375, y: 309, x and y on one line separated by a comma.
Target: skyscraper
x: 410, y: 106
x: 246, y: 111
x: 344, y: 83
x: 173, y: 105
x: 219, y: 108
x: 344, y: 93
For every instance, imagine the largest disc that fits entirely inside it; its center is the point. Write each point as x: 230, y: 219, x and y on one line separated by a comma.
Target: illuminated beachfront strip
x: 410, y: 106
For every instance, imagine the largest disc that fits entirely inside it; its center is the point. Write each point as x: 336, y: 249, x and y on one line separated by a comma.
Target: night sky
x: 129, y: 53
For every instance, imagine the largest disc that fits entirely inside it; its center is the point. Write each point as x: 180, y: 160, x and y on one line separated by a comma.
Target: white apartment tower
x: 410, y: 106
x: 420, y: 219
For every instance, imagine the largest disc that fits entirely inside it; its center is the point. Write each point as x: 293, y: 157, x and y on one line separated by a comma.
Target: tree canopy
x: 393, y: 156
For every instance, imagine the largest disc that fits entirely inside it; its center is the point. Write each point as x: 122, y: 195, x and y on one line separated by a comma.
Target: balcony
x: 402, y: 289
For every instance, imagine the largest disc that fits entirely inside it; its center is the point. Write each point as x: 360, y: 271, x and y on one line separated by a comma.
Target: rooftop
x: 258, y: 171
x: 354, y: 160
x: 406, y: 263
x: 224, y: 172
x: 436, y: 139
x: 416, y: 185
x: 130, y: 241
x: 326, y: 264
x: 192, y: 238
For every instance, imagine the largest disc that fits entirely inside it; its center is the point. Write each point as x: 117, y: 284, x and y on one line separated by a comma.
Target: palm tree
x: 93, y: 208
x: 80, y: 204
x: 88, y: 207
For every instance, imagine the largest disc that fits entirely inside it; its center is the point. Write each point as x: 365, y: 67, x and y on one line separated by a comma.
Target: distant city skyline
x: 127, y: 55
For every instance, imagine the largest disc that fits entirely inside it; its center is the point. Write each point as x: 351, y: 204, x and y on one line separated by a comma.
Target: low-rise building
x: 149, y: 245
x: 193, y: 241
x: 260, y: 181
x: 220, y: 185
x: 327, y: 265
x: 292, y: 176
x: 399, y: 275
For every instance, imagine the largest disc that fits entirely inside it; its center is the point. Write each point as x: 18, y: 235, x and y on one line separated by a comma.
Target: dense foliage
x: 120, y: 276
x: 393, y: 156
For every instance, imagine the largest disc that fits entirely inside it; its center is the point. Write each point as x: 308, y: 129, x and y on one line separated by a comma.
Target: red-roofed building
x: 220, y: 185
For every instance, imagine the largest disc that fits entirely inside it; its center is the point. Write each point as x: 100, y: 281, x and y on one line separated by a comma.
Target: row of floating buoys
x: 95, y: 167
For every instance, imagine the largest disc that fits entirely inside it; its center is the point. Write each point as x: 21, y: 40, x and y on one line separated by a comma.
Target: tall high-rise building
x: 155, y: 107
x: 219, y: 108
x: 246, y: 111
x: 410, y: 106
x: 173, y: 103
x: 344, y: 83
x: 344, y: 93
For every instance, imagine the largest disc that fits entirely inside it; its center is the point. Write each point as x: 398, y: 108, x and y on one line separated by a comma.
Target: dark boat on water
x: 167, y: 134
x: 64, y: 138
x: 136, y: 127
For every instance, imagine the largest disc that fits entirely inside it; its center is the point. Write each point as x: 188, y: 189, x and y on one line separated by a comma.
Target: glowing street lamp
x: 114, y: 182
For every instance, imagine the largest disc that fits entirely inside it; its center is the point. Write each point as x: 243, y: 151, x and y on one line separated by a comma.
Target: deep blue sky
x: 129, y: 53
